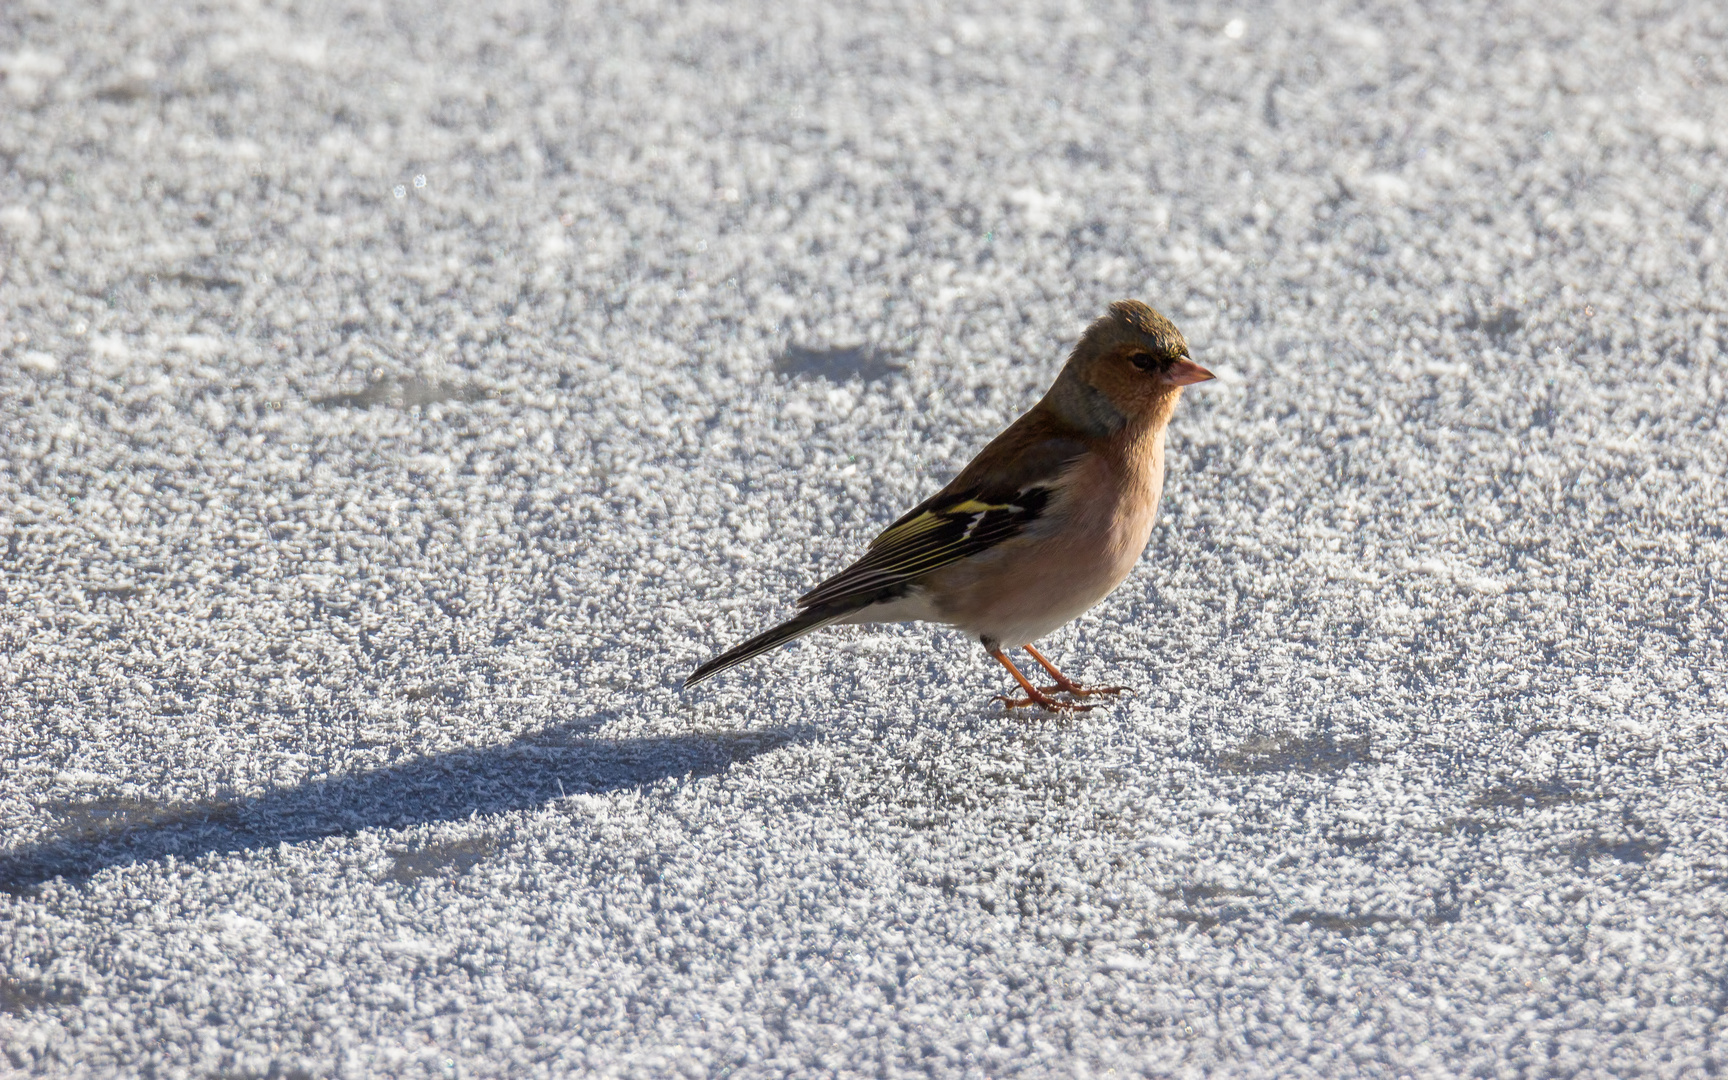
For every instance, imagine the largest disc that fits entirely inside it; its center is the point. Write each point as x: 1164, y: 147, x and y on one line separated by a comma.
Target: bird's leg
x: 1034, y: 696
x: 1064, y: 683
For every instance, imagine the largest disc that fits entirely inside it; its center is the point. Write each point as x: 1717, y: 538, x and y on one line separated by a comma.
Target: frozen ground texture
x: 357, y: 529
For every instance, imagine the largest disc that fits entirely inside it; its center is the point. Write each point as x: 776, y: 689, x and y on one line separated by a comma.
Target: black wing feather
x: 942, y: 530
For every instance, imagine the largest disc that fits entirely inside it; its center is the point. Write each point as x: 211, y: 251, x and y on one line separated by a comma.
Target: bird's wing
x: 985, y: 505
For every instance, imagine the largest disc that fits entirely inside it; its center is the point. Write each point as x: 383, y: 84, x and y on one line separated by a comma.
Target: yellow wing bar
x: 935, y: 519
x: 932, y: 536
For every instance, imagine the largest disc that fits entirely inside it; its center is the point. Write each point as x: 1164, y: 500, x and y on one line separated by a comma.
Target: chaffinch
x: 1043, y: 524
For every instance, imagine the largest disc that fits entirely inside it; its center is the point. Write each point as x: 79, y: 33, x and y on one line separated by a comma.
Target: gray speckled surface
x: 396, y: 402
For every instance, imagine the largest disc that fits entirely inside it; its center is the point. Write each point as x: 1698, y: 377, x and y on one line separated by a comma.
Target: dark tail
x: 814, y: 619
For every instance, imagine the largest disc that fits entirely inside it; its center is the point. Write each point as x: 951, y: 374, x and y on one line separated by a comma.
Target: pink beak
x: 1186, y: 372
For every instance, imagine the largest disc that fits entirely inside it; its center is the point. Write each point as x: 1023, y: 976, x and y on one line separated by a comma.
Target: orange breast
x: 1089, y: 542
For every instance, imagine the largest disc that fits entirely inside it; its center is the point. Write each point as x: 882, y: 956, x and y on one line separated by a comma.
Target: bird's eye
x: 1145, y: 361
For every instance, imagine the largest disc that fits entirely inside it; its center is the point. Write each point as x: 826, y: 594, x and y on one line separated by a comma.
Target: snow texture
x: 398, y: 399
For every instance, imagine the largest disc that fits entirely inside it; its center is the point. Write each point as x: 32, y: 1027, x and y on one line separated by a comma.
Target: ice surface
x: 398, y: 400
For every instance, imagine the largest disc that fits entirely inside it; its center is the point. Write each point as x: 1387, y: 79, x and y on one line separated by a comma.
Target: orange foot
x: 1065, y: 685
x: 1076, y: 690
x: 1034, y: 696
x: 1038, y: 698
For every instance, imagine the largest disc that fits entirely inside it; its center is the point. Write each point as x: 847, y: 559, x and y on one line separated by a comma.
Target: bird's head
x: 1132, y: 362
x: 1134, y: 346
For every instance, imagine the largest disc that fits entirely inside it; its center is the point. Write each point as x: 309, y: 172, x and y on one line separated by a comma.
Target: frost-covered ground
x: 397, y: 400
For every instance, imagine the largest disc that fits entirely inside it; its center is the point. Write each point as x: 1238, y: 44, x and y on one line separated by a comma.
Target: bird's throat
x: 1085, y: 407
x: 1140, y: 442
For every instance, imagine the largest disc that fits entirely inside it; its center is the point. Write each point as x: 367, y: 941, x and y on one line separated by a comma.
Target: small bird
x: 1043, y: 524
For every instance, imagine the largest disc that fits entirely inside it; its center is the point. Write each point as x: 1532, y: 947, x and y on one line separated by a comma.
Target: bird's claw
x: 1048, y: 704
x: 1076, y: 690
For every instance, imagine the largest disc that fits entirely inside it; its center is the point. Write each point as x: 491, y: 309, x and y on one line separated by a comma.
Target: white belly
x: 914, y: 607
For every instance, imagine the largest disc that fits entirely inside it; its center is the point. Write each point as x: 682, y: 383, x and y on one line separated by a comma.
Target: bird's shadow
x: 92, y: 835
